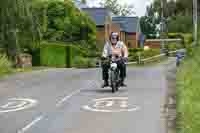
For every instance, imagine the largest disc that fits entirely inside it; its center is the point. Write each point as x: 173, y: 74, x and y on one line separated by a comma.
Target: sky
x: 139, y: 5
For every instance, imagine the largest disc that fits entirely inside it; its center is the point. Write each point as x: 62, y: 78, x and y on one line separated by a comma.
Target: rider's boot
x: 105, y: 84
x: 122, y: 84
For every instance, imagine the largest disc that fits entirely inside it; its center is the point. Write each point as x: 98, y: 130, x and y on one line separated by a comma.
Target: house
x: 106, y: 22
x: 129, y: 29
x: 103, y: 19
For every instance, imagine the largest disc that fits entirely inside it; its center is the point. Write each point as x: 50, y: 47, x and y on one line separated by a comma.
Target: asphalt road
x: 71, y: 101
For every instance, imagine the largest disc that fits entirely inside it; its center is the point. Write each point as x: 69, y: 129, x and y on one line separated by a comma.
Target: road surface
x: 71, y: 101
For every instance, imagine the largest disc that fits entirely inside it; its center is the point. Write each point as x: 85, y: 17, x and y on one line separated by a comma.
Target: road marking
x: 13, y: 104
x: 71, y: 95
x: 17, y: 104
x: 23, y: 130
x: 101, y: 104
x: 111, y: 104
x: 111, y: 111
x: 67, y: 97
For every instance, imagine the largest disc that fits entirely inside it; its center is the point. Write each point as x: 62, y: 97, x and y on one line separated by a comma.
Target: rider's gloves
x: 125, y: 59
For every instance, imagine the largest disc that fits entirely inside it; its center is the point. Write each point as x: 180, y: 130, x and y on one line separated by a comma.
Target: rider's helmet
x: 114, y: 37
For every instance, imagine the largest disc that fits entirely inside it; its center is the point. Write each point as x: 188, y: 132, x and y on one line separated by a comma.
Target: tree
x: 178, y: 14
x: 65, y: 22
x: 148, y: 26
x: 118, y: 9
x: 84, y: 1
x: 18, y: 26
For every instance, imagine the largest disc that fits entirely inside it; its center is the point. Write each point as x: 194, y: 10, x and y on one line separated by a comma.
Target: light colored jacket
x: 119, y: 49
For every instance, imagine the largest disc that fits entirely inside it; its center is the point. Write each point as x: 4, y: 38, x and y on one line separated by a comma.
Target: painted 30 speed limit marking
x: 111, y: 104
x: 17, y: 104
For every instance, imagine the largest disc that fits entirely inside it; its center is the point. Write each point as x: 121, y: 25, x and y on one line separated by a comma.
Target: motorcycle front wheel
x: 113, y: 80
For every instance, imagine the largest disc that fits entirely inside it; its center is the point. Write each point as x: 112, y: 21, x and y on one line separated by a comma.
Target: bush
x: 5, y: 65
x: 172, y: 46
x: 35, y: 57
x: 59, y: 54
x: 53, y: 55
x: 134, y: 53
x: 81, y: 62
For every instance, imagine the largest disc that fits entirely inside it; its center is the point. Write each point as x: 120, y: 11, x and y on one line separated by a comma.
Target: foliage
x: 58, y: 54
x: 117, y: 8
x: 5, y: 65
x: 177, y: 14
x: 18, y: 26
x: 52, y: 55
x: 181, y: 24
x: 148, y: 26
x: 62, y: 21
x: 188, y: 91
x: 82, y: 62
x: 134, y: 53
x: 150, y: 53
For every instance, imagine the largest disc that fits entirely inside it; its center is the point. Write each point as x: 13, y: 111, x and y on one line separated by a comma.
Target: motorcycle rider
x: 114, y: 47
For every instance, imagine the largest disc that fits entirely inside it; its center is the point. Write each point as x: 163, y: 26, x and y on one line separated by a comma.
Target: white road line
x: 69, y: 96
x: 23, y: 130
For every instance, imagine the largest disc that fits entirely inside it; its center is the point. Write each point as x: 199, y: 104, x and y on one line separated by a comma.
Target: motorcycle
x: 114, y: 73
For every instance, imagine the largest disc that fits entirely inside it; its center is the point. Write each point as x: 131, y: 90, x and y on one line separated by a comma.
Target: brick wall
x: 100, y: 34
x: 115, y: 28
x: 131, y: 40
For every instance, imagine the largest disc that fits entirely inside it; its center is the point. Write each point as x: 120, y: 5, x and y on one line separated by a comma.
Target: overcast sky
x: 140, y: 5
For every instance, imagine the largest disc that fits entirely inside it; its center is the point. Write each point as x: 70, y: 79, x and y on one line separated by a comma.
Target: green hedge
x: 150, y: 53
x: 188, y: 95
x: 186, y: 37
x: 56, y: 54
x: 133, y: 53
x: 35, y: 57
x: 82, y: 62
x: 5, y: 65
x: 53, y: 55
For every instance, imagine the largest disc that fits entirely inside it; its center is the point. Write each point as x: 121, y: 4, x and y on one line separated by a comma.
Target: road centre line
x: 71, y: 95
x: 23, y: 130
x: 67, y: 97
x: 35, y: 121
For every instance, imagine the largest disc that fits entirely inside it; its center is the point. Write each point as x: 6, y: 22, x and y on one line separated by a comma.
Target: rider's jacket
x: 119, y: 49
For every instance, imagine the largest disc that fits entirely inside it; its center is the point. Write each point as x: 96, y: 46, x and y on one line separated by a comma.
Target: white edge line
x: 31, y: 124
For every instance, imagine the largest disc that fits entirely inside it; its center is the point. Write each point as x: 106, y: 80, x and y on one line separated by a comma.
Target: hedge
x: 134, y: 52
x: 5, y: 65
x: 53, y: 55
x: 56, y: 54
x: 82, y: 62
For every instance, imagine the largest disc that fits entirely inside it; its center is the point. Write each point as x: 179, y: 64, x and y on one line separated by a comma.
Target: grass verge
x: 188, y: 95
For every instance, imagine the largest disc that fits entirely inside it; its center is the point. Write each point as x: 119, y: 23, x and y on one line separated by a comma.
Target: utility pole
x: 162, y: 27
x: 195, y: 22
